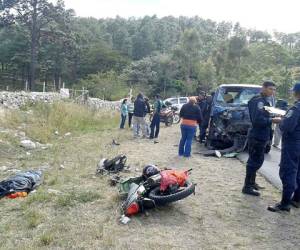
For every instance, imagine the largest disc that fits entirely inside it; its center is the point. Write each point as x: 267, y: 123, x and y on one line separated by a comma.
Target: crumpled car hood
x: 220, y: 109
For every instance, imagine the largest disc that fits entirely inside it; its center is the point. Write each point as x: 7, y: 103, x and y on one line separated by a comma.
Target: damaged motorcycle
x: 169, y: 115
x: 155, y: 187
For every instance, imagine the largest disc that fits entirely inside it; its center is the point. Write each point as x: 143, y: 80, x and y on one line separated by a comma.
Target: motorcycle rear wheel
x: 169, y: 121
x: 160, y: 199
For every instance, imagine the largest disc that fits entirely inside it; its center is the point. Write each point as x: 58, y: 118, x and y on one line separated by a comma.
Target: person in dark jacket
x: 259, y: 135
x: 155, y: 123
x: 204, y: 107
x: 190, y: 114
x: 139, y: 113
x: 289, y: 170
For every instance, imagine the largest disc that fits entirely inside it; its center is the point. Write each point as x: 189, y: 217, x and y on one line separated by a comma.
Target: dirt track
x: 219, y: 216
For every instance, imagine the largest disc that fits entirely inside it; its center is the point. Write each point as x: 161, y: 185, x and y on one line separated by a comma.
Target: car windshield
x: 236, y: 96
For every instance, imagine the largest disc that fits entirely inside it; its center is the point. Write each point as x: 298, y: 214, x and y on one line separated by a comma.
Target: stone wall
x: 14, y: 100
x: 96, y: 103
x: 17, y: 99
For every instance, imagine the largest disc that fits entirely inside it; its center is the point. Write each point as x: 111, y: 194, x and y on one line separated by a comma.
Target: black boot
x: 250, y: 190
x: 296, y: 198
x: 284, y: 205
x: 295, y: 204
x: 248, y: 186
x: 254, y: 184
x: 279, y: 207
x: 257, y: 187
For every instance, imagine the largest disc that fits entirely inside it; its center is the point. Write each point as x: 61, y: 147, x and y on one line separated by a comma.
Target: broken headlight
x: 226, y: 115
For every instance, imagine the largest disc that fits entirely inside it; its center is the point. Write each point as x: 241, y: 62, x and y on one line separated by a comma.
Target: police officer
x: 259, y: 135
x: 289, y: 171
x: 202, y: 103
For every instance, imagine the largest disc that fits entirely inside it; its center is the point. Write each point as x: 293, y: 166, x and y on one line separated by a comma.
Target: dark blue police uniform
x: 260, y: 132
x: 258, y: 138
x: 290, y: 155
x: 204, y: 107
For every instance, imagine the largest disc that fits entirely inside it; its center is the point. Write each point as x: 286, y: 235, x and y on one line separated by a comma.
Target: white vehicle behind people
x: 177, y: 102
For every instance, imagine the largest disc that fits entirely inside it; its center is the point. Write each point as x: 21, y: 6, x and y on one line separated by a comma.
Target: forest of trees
x: 45, y: 42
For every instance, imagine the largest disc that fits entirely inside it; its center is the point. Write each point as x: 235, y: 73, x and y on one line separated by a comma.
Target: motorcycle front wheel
x: 176, y: 118
x: 162, y: 199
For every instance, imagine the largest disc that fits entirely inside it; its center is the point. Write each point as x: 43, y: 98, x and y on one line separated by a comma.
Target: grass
x: 53, y: 181
x: 9, y: 138
x: 46, y: 239
x: 73, y: 198
x: 87, y: 196
x: 65, y: 201
x: 46, y: 219
x: 43, y: 120
x: 40, y: 196
x: 33, y: 218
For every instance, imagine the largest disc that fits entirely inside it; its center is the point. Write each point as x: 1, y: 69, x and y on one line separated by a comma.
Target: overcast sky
x: 279, y: 15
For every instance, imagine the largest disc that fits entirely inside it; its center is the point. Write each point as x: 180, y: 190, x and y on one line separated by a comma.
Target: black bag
x: 21, y: 182
x: 114, y: 165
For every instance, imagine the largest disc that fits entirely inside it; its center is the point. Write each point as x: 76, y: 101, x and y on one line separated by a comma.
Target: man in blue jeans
x: 155, y: 123
x: 190, y: 114
x: 139, y: 113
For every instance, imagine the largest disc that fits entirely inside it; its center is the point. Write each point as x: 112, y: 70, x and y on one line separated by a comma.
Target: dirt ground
x: 1, y: 112
x: 218, y: 216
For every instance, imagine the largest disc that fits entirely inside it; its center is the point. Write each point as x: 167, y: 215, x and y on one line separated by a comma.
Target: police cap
x: 268, y: 83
